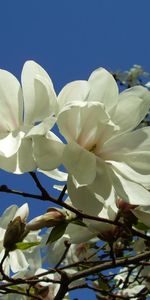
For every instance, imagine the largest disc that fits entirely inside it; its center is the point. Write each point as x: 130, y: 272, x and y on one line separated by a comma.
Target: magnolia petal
x: 84, y: 199
x: 7, y: 216
x: 22, y: 212
x: 134, y: 102
x: 20, y: 162
x: 48, y: 151
x: 39, y: 95
x: 129, y: 112
x: 138, y: 91
x: 79, y: 234
x: 10, y: 144
x: 81, y: 122
x: 11, y: 102
x: 55, y: 174
x: 80, y: 163
x: 108, y: 212
x: 102, y: 184
x: 131, y: 174
x: 103, y: 88
x: 42, y: 128
x: 132, y: 148
x: 129, y: 143
x: 17, y: 261
x: 129, y: 191
x: 72, y: 92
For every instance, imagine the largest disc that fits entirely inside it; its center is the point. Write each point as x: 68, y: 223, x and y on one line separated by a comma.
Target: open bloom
x: 102, y: 151
x: 26, y: 116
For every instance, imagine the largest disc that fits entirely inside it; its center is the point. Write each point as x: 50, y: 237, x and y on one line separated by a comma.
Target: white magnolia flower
x: 26, y: 116
x: 16, y: 260
x: 102, y: 151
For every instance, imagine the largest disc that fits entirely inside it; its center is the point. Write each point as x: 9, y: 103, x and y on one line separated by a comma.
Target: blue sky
x: 70, y: 38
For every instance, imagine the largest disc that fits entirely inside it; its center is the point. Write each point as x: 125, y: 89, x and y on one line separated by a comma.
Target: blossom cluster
x: 91, y: 130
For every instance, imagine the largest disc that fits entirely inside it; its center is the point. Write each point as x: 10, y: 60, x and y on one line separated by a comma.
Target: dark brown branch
x: 63, y: 287
x: 39, y: 185
x: 107, y: 265
x: 67, y: 245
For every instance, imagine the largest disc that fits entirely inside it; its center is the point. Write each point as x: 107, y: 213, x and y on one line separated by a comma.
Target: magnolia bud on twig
x: 50, y: 219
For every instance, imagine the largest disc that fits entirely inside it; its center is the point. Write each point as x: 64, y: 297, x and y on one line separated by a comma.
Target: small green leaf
x: 25, y: 246
x: 78, y: 222
x: 57, y: 232
x: 141, y: 226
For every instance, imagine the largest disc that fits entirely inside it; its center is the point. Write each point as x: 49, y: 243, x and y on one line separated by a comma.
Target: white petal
x: 79, y: 234
x: 84, y: 199
x: 80, y: 163
x: 103, y: 88
x: 81, y: 122
x: 11, y: 102
x: 56, y: 249
x: 8, y: 215
x: 55, y: 174
x: 18, y: 261
x: 129, y: 191
x: 132, y: 107
x: 48, y: 151
x: 102, y: 184
x: 20, y: 162
x: 131, y: 174
x: 129, y: 113
x: 39, y: 95
x: 138, y: 91
x: 22, y: 212
x: 10, y: 144
x: 73, y: 91
x: 132, y: 148
x: 42, y: 128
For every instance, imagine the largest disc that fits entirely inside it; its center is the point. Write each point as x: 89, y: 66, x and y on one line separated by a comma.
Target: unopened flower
x: 16, y: 228
x: 52, y: 218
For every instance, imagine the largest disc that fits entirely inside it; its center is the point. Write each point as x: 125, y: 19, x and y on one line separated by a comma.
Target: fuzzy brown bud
x: 14, y: 233
x: 50, y: 219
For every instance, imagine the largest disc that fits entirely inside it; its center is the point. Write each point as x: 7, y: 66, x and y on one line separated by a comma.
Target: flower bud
x: 124, y: 206
x: 14, y: 233
x: 50, y: 219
